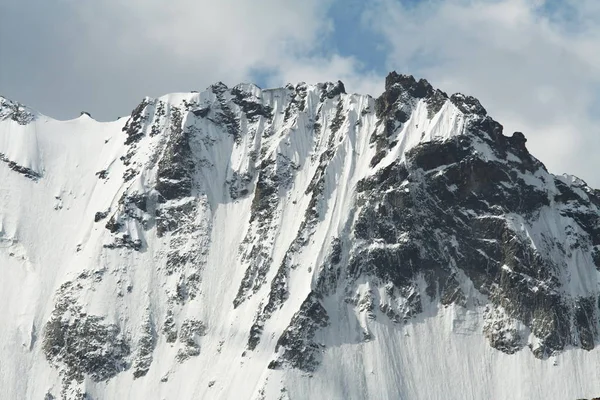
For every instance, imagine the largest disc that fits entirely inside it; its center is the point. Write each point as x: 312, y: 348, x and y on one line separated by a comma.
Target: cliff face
x: 298, y: 242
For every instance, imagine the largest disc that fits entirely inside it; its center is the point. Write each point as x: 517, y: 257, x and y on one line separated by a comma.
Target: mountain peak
x: 468, y: 104
x: 332, y: 89
x: 15, y: 111
x: 420, y: 89
x: 401, y: 90
x: 300, y: 242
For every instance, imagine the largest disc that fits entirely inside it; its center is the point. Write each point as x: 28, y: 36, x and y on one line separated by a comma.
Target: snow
x: 448, y: 123
x: 48, y: 236
x: 441, y: 356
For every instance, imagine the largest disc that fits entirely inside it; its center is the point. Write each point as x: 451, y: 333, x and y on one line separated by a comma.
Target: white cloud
x: 534, y: 67
x: 534, y: 64
x: 134, y: 48
x: 329, y: 69
x: 225, y: 40
x: 234, y: 35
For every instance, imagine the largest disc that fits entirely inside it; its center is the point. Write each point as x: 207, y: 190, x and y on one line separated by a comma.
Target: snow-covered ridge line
x: 297, y: 242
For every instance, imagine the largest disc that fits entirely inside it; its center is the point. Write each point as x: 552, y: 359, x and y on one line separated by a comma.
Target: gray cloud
x: 533, y: 65
x: 65, y: 56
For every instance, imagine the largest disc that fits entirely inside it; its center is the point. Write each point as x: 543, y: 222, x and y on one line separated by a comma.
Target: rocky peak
x: 419, y: 89
x: 402, y: 90
x: 468, y: 104
x: 330, y: 89
x: 218, y: 88
x: 15, y: 111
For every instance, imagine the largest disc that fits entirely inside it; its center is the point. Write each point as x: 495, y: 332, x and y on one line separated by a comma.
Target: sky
x: 534, y: 64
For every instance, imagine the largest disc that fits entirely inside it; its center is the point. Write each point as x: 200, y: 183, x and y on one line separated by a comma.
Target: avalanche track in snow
x: 293, y: 243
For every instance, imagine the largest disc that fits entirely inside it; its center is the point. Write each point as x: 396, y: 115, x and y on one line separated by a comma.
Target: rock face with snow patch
x: 299, y: 242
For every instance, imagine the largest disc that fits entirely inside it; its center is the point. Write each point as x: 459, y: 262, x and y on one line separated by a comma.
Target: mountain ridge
x: 287, y: 232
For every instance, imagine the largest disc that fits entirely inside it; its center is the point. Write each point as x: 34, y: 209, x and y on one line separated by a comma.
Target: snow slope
x: 235, y: 244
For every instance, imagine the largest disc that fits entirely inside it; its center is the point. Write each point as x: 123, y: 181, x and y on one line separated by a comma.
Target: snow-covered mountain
x: 293, y: 243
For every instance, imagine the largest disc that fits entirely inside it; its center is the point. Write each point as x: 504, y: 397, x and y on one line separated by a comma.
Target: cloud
x: 329, y: 69
x: 232, y: 34
x: 533, y: 64
x: 115, y: 52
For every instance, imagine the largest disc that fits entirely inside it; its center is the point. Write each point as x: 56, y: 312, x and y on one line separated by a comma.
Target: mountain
x: 293, y: 243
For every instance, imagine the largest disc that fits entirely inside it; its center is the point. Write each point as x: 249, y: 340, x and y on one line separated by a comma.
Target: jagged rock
x: 14, y: 111
x: 250, y: 105
x: 81, y: 344
x: 133, y: 127
x: 189, y: 335
x: 145, y: 347
x: 400, y: 89
x: 169, y: 328
x: 467, y: 104
x: 125, y: 241
x: 296, y: 346
x: 86, y: 346
x: 330, y: 90
x: 27, y: 172
x: 297, y: 102
x: 100, y: 215
x: 175, y: 168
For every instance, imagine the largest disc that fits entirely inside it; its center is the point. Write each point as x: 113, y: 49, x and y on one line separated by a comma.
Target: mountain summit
x: 293, y: 243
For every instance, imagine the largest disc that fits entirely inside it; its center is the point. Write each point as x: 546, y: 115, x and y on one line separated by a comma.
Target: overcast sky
x: 534, y: 64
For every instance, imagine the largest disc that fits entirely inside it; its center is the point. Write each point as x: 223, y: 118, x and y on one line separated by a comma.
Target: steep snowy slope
x: 293, y: 243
